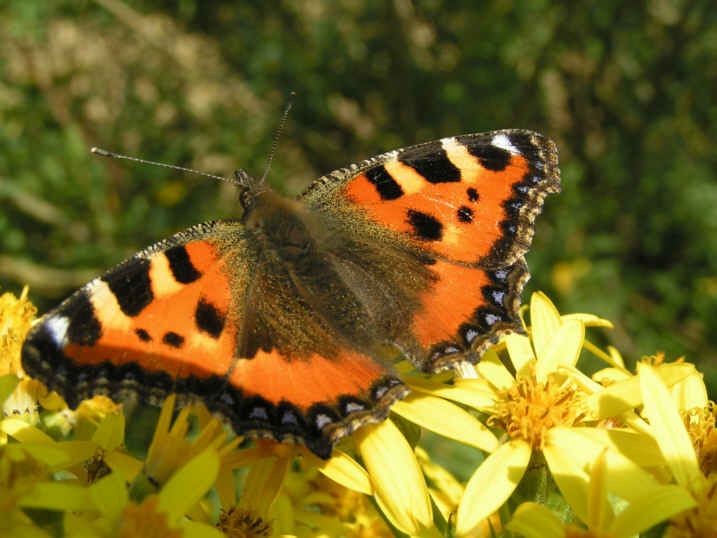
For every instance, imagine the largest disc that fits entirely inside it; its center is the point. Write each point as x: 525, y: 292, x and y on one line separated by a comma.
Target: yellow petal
x: 570, y: 448
x: 492, y: 369
x: 534, y: 520
x: 397, y: 479
x: 441, y: 478
x: 162, y: 427
x: 188, y: 484
x: 226, y: 487
x: 562, y: 350
x: 110, y: 432
x: 329, y: 526
x: 649, y: 510
x: 263, y: 484
x: 476, y: 393
x: 51, y: 455
x: 608, y: 376
x: 26, y: 530
x: 520, y: 351
x: 7, y: 385
x: 690, y: 393
x: 625, y: 395
x: 124, y: 464
x: 570, y: 476
x: 109, y: 495
x: 589, y: 320
x: 669, y: 430
x: 492, y: 483
x: 24, y: 432
x: 344, y: 470
x: 600, y: 514
x: 57, y: 496
x: 76, y: 452
x: 544, y: 322
x: 638, y: 447
x: 282, y: 515
x: 244, y: 457
x: 446, y: 419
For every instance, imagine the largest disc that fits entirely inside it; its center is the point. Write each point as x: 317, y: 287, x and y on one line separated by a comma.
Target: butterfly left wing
x: 193, y: 315
x: 469, y: 204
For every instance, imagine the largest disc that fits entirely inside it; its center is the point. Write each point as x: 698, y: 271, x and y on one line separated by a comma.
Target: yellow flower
x: 312, y: 504
x: 546, y: 392
x: 156, y: 515
x: 589, y: 496
x: 16, y: 316
x: 445, y: 490
x: 20, y: 469
x: 170, y: 448
x: 667, y: 425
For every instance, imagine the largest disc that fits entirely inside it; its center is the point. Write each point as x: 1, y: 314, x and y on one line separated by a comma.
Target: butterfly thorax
x: 284, y: 226
x: 323, y: 282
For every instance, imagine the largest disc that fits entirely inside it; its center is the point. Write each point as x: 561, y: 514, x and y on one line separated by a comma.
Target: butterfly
x: 279, y: 321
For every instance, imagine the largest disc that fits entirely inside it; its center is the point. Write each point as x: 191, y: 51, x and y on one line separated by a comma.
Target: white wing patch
x: 503, y: 142
x: 57, y: 327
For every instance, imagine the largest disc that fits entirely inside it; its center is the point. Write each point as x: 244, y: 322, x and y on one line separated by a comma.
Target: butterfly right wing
x: 468, y: 204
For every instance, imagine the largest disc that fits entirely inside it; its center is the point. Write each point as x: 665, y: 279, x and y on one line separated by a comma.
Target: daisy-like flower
x: 648, y: 504
x: 541, y: 395
x: 21, y: 468
x: 686, y: 439
x: 525, y: 404
x: 16, y: 317
x: 311, y: 504
x: 540, y: 391
x: 170, y: 448
x: 161, y: 514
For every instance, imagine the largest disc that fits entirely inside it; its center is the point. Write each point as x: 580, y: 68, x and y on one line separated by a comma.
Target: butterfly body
x: 278, y: 321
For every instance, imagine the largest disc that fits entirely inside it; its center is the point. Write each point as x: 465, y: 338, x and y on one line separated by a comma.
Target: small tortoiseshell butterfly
x: 278, y: 321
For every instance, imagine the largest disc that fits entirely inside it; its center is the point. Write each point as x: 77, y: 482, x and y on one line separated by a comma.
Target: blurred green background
x: 627, y: 90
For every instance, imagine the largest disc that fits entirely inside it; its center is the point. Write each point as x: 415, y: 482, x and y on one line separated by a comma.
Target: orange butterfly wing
x: 470, y: 202
x: 163, y: 321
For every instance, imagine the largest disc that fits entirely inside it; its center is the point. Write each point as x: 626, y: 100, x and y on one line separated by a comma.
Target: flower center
x: 238, y: 523
x: 528, y: 409
x: 700, y: 424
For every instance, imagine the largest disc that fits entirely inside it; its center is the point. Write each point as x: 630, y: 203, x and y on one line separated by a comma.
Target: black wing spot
x: 465, y: 214
x: 472, y: 194
x: 432, y: 162
x: 181, y: 266
x: 386, y: 186
x: 490, y: 157
x: 209, y: 319
x: 143, y: 335
x: 425, y: 226
x: 173, y: 339
x: 131, y: 285
x: 84, y: 328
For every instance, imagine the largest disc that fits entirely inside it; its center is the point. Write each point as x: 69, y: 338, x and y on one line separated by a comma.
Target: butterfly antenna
x: 104, y: 153
x: 277, y: 135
